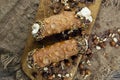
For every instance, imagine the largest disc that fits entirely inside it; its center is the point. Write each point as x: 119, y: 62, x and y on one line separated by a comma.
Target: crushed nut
x: 115, y: 40
x: 51, y: 77
x: 118, y: 31
x: 98, y: 47
x: 112, y: 43
x: 59, y: 75
x: 88, y: 62
x: 105, y: 39
x: 102, y: 45
x: 45, y: 69
x: 67, y: 7
x: 67, y: 75
x: 87, y: 73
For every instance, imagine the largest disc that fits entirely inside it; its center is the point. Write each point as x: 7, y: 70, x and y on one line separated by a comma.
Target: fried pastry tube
x: 55, y: 24
x: 57, y: 52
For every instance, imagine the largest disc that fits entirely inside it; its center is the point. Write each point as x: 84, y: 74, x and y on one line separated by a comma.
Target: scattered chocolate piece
x: 81, y: 66
x: 102, y: 44
x: 67, y: 63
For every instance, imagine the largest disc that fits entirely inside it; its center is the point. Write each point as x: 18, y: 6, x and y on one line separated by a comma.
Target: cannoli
x: 55, y: 24
x: 56, y: 61
x: 58, y: 51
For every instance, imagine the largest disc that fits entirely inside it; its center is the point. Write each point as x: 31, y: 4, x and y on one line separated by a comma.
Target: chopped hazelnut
x: 112, y: 43
x: 96, y: 41
x: 102, y: 45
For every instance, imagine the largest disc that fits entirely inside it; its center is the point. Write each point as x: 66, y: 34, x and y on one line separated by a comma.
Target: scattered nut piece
x: 67, y: 7
x: 118, y: 31
x: 67, y: 75
x: 115, y: 40
x: 51, y: 77
x: 96, y: 41
x: 102, y: 45
x: 113, y: 35
x: 71, y: 74
x: 105, y: 39
x: 59, y: 75
x: 88, y: 62
x: 98, y: 47
x: 45, y: 69
x: 112, y: 43
x: 116, y: 46
x: 87, y: 73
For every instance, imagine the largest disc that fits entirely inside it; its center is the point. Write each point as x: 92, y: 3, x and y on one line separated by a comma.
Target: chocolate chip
x: 67, y: 63
x: 74, y: 58
x: 45, y: 75
x: 102, y: 45
x: 34, y: 74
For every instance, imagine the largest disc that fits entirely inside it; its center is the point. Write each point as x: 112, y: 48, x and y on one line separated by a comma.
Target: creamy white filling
x: 85, y: 12
x: 35, y: 28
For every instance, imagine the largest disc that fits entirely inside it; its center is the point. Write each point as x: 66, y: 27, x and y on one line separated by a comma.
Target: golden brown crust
x: 55, y: 53
x: 59, y: 23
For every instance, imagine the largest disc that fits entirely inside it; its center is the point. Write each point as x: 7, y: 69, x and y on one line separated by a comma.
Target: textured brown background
x: 16, y: 17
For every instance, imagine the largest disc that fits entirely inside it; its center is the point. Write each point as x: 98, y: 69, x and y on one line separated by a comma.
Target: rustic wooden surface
x: 16, y: 17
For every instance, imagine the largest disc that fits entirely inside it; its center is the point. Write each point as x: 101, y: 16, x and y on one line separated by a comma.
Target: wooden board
x: 43, y: 12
